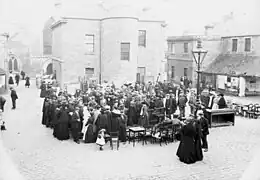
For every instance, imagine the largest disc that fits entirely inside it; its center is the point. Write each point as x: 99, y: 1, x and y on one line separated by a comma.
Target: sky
x: 180, y: 15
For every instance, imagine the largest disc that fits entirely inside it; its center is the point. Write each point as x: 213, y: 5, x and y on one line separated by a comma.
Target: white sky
x: 179, y: 14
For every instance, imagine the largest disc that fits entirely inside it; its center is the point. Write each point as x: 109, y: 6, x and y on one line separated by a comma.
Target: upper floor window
x: 142, y: 38
x: 186, y: 47
x: 90, y: 43
x: 171, y: 47
x: 247, y: 44
x: 234, y: 45
x: 125, y: 51
x: 185, y: 72
x: 173, y: 72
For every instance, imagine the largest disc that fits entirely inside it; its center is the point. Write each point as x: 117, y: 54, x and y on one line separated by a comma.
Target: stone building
x: 114, y: 45
x: 236, y: 69
x: 180, y: 60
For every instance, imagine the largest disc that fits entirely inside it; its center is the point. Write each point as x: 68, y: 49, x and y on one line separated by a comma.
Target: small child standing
x: 2, y: 122
x: 101, y: 139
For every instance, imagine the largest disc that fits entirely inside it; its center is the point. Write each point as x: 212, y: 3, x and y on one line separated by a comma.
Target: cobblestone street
x: 40, y: 156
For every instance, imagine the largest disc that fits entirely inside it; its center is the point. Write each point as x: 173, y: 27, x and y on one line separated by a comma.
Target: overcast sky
x: 179, y: 14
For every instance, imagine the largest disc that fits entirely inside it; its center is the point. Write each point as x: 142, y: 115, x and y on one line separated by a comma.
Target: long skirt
x: 75, y: 130
x: 61, y: 131
x: 186, y: 151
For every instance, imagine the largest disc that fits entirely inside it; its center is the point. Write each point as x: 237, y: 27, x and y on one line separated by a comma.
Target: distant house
x: 236, y: 69
x: 180, y: 62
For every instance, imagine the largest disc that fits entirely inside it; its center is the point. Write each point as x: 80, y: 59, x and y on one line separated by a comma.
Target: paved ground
x: 39, y: 156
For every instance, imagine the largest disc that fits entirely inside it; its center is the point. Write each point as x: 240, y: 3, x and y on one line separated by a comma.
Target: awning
x: 2, y: 71
x: 238, y: 65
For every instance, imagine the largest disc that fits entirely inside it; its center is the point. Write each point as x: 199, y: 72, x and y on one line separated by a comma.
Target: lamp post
x: 199, y: 55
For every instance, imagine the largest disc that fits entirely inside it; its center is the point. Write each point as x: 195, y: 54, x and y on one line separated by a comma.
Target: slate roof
x: 235, y: 65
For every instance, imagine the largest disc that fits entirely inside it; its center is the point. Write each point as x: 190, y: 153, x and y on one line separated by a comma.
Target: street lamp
x: 199, y: 55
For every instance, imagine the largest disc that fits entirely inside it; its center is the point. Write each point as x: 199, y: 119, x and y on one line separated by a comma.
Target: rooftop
x: 235, y: 65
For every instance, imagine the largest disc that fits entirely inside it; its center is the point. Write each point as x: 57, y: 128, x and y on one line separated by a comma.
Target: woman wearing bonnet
x: 188, y: 150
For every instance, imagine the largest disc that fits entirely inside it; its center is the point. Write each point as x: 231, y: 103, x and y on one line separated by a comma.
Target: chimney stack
x: 208, y: 29
x: 57, y: 8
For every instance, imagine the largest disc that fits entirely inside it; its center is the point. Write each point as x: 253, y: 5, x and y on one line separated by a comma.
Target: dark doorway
x: 140, y: 76
x: 49, y: 69
x: 15, y: 65
x: 10, y: 65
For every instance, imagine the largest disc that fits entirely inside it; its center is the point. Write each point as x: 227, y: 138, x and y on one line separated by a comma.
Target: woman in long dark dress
x: 62, y: 127
x: 27, y: 82
x: 43, y: 90
x: 186, y: 150
x: 198, y: 145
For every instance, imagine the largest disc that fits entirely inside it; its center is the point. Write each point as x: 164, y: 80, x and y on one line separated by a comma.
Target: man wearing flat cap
x: 204, y: 129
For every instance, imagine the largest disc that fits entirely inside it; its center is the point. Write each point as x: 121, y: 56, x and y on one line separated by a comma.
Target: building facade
x: 180, y: 61
x: 114, y: 48
x: 236, y: 69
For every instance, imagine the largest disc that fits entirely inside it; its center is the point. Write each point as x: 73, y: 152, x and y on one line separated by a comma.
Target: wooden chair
x: 173, y: 129
x: 114, y: 137
x: 250, y: 112
x: 257, y: 111
x: 147, y: 134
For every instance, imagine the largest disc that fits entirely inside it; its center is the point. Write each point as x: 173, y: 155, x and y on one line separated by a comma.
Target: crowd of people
x: 104, y: 109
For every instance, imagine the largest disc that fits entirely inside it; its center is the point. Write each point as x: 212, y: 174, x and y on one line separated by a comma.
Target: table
x: 135, y: 130
x: 220, y: 117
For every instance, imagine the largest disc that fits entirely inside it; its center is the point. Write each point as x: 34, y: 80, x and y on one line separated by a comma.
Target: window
x: 173, y: 72
x: 140, y: 77
x: 125, y: 51
x: 89, y: 71
x: 142, y: 38
x: 186, y: 72
x: 247, y: 44
x: 234, y: 45
x: 171, y: 47
x: 89, y: 41
x: 185, y: 46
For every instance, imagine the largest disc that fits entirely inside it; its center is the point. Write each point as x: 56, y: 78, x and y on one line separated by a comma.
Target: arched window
x: 49, y: 69
x: 10, y: 65
x: 15, y: 65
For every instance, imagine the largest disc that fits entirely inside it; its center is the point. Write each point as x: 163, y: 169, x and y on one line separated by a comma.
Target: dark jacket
x: 14, y: 95
x: 204, y: 126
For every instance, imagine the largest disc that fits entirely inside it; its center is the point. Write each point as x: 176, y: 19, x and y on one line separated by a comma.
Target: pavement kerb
x: 252, y: 172
x: 8, y: 170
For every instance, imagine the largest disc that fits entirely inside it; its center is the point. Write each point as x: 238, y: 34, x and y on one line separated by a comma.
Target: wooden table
x: 220, y: 117
x: 135, y: 130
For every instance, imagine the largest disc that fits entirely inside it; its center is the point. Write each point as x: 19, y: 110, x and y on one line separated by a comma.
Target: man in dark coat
x: 204, y: 130
x: 13, y: 97
x: 17, y: 79
x: 168, y: 106
x: 75, y: 125
x: 22, y: 74
x: 222, y: 102
x: 2, y: 103
x: 27, y: 82
x: 182, y: 104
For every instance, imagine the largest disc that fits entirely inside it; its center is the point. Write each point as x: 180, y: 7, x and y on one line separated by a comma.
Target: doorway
x: 140, y: 76
x: 49, y: 69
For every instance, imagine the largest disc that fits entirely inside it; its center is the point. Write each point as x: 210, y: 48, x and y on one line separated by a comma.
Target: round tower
x: 119, y: 46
